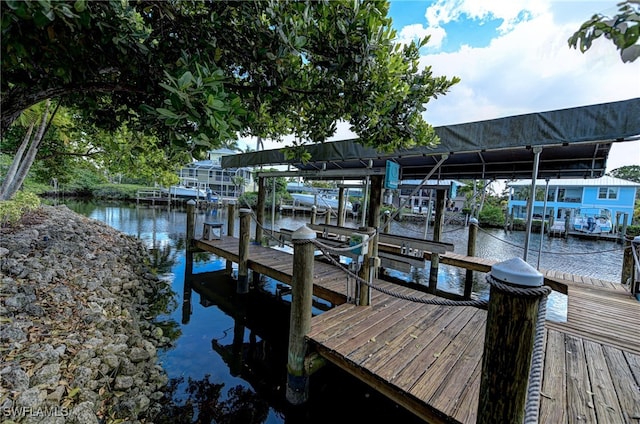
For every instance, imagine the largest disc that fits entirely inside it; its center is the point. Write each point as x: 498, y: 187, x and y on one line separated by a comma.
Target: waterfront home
x: 420, y: 199
x: 228, y: 183
x: 599, y: 198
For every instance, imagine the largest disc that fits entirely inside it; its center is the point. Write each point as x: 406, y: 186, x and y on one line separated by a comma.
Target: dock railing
x: 150, y: 195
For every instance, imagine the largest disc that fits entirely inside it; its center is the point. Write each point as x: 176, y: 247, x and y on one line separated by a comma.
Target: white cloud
x: 417, y: 32
x: 510, y: 12
x: 530, y: 69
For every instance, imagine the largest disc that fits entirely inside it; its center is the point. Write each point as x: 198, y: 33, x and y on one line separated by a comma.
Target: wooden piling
x: 314, y: 212
x: 437, y: 235
x: 373, y: 222
x: 231, y: 224
x: 629, y: 275
x: 635, y: 275
x: 341, y: 207
x: 623, y: 231
x: 262, y: 194
x: 508, y: 344
x: 327, y: 216
x: 364, y: 292
x: 471, y: 251
x: 387, y: 222
x: 243, y: 251
x: 297, y: 390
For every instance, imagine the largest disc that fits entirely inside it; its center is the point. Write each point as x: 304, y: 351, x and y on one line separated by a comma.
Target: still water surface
x: 228, y: 360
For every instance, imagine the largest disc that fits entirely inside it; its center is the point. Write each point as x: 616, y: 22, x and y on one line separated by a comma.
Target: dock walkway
x: 428, y: 358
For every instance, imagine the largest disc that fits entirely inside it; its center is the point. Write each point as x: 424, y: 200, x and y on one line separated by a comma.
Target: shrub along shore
x: 77, y: 303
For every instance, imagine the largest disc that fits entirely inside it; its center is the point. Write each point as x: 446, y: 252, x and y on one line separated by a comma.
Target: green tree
x: 629, y: 173
x: 623, y: 29
x: 194, y: 73
x: 26, y: 151
x: 70, y: 148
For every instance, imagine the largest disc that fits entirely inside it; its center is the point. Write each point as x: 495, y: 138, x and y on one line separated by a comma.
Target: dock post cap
x: 314, y: 207
x: 387, y: 212
x: 303, y: 233
x: 473, y: 221
x: 245, y: 210
x: 518, y: 272
x: 191, y: 202
x: 636, y: 240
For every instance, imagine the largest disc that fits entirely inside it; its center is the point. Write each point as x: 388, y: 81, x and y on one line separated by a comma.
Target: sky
x: 512, y: 57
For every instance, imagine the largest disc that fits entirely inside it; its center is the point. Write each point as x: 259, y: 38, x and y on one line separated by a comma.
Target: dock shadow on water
x: 229, y: 363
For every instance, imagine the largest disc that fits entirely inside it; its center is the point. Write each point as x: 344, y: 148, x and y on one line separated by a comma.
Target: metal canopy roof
x: 574, y: 143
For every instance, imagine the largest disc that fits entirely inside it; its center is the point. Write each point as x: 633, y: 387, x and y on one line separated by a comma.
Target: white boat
x: 320, y: 201
x: 187, y: 189
x: 187, y: 192
x: 592, y: 224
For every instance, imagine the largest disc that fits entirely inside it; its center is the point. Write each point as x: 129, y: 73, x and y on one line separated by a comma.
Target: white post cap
x: 245, y: 210
x: 303, y: 233
x: 473, y: 220
x: 191, y: 202
x: 518, y: 272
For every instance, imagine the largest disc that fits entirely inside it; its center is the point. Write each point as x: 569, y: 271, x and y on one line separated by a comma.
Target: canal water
x: 227, y: 362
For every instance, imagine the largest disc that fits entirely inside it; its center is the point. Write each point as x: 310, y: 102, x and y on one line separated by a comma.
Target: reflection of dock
x: 428, y: 358
x: 153, y: 197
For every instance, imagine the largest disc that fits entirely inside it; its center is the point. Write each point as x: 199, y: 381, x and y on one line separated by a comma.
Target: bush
x: 248, y: 200
x: 633, y: 231
x: 12, y: 210
x: 491, y: 216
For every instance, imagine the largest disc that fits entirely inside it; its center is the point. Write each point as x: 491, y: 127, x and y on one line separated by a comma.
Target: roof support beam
x: 532, y: 198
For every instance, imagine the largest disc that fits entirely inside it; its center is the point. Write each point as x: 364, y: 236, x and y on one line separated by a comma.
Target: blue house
x: 585, y: 202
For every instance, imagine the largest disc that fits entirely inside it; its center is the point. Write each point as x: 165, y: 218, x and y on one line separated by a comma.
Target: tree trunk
x: 26, y: 162
x: 11, y: 173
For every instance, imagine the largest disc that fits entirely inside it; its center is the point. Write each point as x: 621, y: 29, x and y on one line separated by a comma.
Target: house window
x: 570, y: 195
x: 608, y: 193
x: 551, y: 196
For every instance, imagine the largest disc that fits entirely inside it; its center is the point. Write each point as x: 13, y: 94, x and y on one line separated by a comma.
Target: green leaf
x: 167, y: 113
x: 300, y: 41
x: 80, y: 5
x: 185, y: 80
x: 218, y: 105
x: 13, y: 4
x: 66, y: 11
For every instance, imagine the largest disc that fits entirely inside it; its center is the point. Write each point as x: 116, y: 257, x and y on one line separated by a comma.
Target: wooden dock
x: 428, y: 358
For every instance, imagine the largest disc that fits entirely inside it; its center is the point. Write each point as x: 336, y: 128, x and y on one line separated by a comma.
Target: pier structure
x: 428, y: 357
x: 427, y: 352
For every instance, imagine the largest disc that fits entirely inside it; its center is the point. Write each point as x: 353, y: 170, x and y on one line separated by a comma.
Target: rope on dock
x: 327, y: 252
x: 532, y: 406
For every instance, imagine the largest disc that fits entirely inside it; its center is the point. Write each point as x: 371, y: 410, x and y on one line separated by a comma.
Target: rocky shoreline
x: 77, y: 337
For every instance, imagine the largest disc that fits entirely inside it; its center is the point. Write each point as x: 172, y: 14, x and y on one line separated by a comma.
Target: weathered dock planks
x: 428, y: 358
